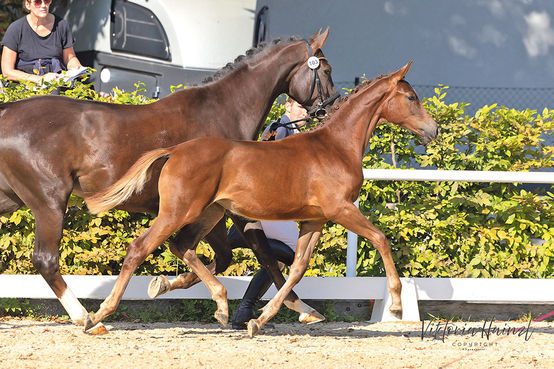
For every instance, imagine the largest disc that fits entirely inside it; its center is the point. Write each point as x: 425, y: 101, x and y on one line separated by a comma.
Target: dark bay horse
x: 51, y: 146
x: 318, y: 174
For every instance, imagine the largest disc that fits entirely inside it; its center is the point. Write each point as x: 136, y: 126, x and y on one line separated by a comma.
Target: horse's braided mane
x: 248, y: 54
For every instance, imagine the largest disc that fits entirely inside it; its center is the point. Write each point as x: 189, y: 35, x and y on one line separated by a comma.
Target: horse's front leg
x: 351, y: 218
x: 309, y: 235
x: 137, y: 252
x: 255, y: 237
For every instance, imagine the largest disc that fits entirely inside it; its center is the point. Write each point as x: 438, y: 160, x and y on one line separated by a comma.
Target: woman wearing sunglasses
x: 38, y: 46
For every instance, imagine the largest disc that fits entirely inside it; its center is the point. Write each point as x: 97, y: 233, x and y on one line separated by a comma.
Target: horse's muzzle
x: 430, y: 134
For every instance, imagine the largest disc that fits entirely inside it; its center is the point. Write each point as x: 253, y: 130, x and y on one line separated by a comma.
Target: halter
x: 313, y: 64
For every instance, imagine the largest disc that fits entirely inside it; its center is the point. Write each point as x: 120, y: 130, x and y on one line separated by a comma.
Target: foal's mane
x: 248, y: 54
x: 357, y: 89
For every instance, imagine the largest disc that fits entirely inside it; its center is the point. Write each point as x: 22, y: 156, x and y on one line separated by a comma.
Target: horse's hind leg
x: 187, y: 239
x: 48, y: 210
x: 8, y: 204
x: 138, y: 250
x: 167, y: 223
x: 46, y: 259
x: 209, y: 218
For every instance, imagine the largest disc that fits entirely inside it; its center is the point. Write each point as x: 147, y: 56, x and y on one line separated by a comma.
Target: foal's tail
x: 131, y: 182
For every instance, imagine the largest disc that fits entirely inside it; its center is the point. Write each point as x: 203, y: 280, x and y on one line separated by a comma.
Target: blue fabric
x: 43, y: 66
x: 282, y: 132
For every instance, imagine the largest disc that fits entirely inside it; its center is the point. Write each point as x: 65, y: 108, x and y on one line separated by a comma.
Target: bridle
x: 313, y: 63
x: 319, y: 110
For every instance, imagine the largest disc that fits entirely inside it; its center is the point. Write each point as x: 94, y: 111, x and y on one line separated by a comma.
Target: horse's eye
x: 412, y: 98
x: 327, y: 71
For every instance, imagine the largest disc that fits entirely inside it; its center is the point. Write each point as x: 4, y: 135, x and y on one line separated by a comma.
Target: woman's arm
x: 70, y: 59
x: 8, y: 69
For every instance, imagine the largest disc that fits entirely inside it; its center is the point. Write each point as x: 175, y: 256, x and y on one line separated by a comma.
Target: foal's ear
x: 401, y: 73
x: 318, y: 39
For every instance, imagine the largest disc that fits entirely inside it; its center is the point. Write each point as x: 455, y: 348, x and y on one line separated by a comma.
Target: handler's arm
x: 70, y: 59
x: 8, y: 67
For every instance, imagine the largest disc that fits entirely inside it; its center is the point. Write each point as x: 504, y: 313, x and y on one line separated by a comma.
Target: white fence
x: 526, y: 291
x: 338, y: 288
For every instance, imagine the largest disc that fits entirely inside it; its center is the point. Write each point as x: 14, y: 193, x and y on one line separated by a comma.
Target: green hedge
x: 436, y: 229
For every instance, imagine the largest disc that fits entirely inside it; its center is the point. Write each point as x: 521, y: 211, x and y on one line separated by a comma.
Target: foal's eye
x: 412, y: 97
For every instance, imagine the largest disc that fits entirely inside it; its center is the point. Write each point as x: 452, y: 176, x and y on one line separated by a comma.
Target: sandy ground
x: 35, y: 344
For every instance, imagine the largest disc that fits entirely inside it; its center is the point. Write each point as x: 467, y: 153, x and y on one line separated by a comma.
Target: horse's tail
x: 131, y: 182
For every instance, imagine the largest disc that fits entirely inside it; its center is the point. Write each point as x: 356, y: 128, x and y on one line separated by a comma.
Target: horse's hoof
x: 311, y: 318
x: 253, y: 328
x: 94, y: 329
x: 396, y: 312
x: 158, y: 286
x: 222, y: 318
x: 97, y: 330
x: 88, y: 322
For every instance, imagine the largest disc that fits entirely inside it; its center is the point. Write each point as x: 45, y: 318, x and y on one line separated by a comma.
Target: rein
x: 289, y: 125
x: 313, y: 64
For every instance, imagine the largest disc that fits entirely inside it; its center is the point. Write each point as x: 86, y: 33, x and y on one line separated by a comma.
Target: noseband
x: 313, y: 64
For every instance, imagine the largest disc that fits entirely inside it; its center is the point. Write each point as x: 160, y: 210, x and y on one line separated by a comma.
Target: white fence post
x: 352, y: 250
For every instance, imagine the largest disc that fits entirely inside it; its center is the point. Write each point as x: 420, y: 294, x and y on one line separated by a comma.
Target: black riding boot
x: 258, y: 286
x: 256, y: 289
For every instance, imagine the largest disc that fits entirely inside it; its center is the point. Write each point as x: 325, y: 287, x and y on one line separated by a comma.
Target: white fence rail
x: 526, y: 291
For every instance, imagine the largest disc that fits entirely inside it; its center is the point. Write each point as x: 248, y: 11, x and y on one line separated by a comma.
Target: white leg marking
x: 76, y: 311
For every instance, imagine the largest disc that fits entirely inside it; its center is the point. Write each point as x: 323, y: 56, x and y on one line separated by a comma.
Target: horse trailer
x: 160, y: 43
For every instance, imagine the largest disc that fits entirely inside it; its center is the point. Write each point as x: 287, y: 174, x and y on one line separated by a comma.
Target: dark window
x: 260, y: 28
x: 135, y: 29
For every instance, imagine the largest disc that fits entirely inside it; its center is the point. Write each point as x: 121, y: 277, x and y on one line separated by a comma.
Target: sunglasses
x: 40, y: 2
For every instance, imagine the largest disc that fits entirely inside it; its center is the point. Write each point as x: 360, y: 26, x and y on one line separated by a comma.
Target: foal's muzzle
x: 429, y: 135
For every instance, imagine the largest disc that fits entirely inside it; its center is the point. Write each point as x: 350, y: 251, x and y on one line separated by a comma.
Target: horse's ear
x: 401, y: 73
x: 406, y: 68
x: 318, y: 39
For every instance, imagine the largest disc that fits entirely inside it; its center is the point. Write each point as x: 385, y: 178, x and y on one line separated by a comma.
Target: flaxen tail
x: 131, y: 182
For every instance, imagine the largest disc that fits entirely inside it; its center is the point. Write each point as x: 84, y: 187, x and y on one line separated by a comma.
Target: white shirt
x: 285, y: 231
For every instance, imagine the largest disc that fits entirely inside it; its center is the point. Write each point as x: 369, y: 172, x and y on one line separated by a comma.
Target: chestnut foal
x: 318, y: 174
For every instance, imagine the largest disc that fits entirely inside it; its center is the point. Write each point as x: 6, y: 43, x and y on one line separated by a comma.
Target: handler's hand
x: 49, y: 77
